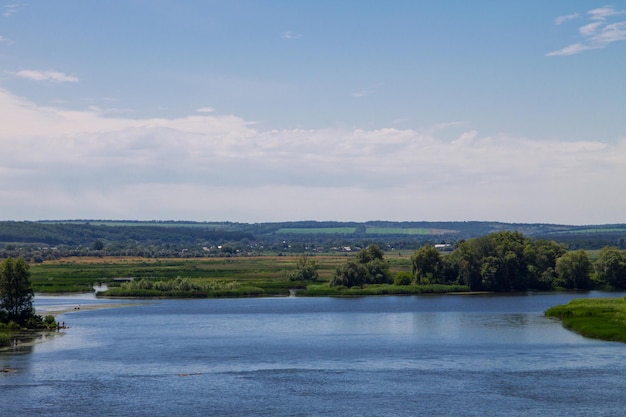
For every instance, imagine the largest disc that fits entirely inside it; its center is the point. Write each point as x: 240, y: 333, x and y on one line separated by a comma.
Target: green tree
x: 306, y: 269
x: 541, y: 256
x: 369, y: 254
x: 611, y: 267
x: 16, y: 292
x: 573, y: 270
x: 427, y: 265
x: 403, y: 278
x: 350, y: 274
x: 369, y: 267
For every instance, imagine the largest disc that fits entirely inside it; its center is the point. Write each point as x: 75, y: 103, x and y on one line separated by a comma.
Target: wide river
x: 454, y: 355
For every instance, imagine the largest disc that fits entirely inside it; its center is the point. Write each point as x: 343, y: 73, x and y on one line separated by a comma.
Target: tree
x: 611, y: 267
x: 306, y: 269
x: 369, y: 267
x: 427, y: 265
x: 350, y: 274
x: 541, y: 256
x: 371, y: 253
x: 16, y: 292
x: 573, y: 270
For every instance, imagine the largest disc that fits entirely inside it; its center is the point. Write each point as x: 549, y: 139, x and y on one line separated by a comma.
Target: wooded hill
x: 287, y: 236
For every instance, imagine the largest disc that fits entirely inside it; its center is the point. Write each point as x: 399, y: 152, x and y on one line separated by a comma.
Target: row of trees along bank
x: 503, y: 261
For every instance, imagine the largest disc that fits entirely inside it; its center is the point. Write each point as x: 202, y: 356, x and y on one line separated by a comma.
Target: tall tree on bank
x: 369, y: 267
x: 573, y: 269
x: 611, y: 267
x: 427, y: 265
x: 16, y: 291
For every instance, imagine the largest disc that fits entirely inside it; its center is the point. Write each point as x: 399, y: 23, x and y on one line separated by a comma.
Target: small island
x: 598, y: 318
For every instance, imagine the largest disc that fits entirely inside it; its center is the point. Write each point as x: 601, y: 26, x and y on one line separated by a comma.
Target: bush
x: 403, y: 278
x: 5, y: 340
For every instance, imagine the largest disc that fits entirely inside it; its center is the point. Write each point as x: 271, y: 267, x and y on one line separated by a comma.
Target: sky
x: 353, y: 110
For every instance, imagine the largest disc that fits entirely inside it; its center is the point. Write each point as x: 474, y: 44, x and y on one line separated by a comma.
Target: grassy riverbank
x: 212, y: 277
x: 598, y: 318
x: 80, y: 274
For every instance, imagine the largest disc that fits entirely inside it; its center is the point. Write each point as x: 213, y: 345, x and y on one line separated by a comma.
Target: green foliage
x: 306, y: 269
x: 403, y: 278
x: 428, y: 265
x: 11, y: 325
x: 506, y: 261
x: 369, y: 267
x: 16, y: 293
x: 611, y: 267
x: 600, y: 318
x: 187, y: 288
x: 573, y: 270
x: 322, y: 290
x: 5, y: 339
x: 351, y: 274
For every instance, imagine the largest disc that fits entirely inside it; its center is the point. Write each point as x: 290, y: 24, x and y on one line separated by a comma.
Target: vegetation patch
x: 316, y: 230
x: 324, y: 290
x: 598, y: 318
x: 381, y: 230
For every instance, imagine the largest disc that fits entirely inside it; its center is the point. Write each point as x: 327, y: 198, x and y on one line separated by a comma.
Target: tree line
x: 502, y: 261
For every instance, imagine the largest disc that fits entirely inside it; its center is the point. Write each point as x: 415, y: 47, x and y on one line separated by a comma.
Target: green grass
x: 383, y: 289
x: 598, y: 318
x: 211, y: 277
x: 592, y: 230
x: 220, y: 226
x: 376, y: 230
x: 372, y: 230
x: 270, y: 273
x: 315, y: 230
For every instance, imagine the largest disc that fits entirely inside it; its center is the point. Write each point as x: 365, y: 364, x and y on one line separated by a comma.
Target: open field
x: 407, y: 231
x: 316, y: 230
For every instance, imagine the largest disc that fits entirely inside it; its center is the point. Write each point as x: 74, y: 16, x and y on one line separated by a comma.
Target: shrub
x: 403, y: 278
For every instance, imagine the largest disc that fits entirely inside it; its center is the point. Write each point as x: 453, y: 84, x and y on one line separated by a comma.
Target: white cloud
x: 205, y: 110
x: 11, y: 9
x: 596, y: 34
x: 53, y: 76
x: 562, y: 19
x: 601, y: 13
x: 82, y: 164
x: 290, y: 35
x: 571, y: 50
x: 5, y: 40
x: 589, y: 29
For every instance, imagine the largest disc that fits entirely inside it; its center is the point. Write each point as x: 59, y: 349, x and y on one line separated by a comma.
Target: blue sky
x: 292, y: 110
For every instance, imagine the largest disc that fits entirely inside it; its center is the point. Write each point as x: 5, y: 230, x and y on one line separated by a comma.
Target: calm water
x: 374, y: 356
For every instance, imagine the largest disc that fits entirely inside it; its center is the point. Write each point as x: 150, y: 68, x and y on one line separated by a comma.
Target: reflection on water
x: 24, y: 342
x: 372, y: 356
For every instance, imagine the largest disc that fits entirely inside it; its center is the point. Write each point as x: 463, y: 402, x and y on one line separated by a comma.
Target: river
x: 453, y: 355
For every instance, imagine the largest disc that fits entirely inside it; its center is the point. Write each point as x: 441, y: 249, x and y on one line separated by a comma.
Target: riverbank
x: 600, y: 318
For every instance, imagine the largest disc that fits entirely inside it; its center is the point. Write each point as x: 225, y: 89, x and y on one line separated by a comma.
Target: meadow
x: 598, y: 318
x: 212, y: 277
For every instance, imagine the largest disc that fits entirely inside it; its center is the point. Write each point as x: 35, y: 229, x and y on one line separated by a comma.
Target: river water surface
x: 374, y: 356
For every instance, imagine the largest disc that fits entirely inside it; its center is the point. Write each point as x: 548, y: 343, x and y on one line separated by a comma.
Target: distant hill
x: 85, y: 232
